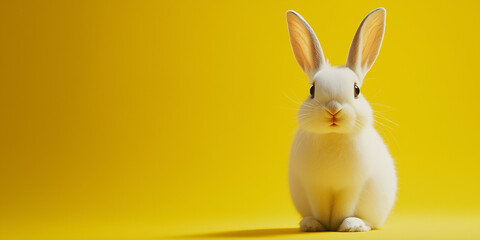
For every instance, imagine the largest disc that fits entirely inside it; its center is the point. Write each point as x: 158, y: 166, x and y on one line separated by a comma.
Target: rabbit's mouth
x: 334, y: 121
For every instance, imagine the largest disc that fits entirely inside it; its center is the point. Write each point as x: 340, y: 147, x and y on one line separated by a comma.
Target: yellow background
x: 151, y: 119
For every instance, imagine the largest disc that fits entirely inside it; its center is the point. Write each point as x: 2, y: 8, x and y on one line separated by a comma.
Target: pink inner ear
x: 372, y: 39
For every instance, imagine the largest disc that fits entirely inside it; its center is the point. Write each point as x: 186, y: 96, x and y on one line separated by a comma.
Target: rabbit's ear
x: 367, y: 42
x: 305, y: 45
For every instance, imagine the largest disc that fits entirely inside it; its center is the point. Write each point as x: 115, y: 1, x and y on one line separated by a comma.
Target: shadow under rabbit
x: 253, y: 233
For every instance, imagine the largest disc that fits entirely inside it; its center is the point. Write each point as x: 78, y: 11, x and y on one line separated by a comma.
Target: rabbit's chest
x: 334, y: 165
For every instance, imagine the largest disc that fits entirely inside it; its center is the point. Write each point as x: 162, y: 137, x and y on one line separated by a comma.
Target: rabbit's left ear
x: 367, y: 42
x: 305, y: 45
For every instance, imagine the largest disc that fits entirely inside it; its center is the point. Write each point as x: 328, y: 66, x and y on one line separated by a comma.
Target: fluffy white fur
x: 342, y: 176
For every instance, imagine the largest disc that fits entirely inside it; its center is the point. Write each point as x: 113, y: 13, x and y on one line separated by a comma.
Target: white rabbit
x: 341, y: 174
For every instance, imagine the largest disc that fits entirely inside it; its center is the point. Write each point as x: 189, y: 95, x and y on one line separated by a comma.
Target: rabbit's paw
x: 353, y: 224
x: 310, y: 224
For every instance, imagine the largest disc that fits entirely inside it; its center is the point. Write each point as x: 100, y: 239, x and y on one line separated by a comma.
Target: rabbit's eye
x: 312, y: 91
x: 356, y: 90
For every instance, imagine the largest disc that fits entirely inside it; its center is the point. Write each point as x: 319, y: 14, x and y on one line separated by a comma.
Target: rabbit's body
x: 341, y: 174
x: 335, y: 176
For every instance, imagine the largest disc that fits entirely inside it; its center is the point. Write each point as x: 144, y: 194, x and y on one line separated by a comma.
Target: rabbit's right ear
x: 305, y: 45
x: 367, y: 42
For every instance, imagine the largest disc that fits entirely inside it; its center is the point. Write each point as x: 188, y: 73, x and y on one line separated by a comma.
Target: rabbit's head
x: 335, y: 104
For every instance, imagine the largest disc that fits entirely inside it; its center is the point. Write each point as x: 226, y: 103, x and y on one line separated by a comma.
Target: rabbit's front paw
x: 353, y: 224
x: 310, y: 224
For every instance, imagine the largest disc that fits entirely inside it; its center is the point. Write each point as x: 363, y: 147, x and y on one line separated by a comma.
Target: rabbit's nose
x: 333, y: 107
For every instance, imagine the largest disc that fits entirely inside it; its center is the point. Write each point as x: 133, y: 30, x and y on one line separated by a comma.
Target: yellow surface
x: 152, y: 119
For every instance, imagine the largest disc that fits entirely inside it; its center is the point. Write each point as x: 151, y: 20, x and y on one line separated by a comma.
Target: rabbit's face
x: 335, y: 104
